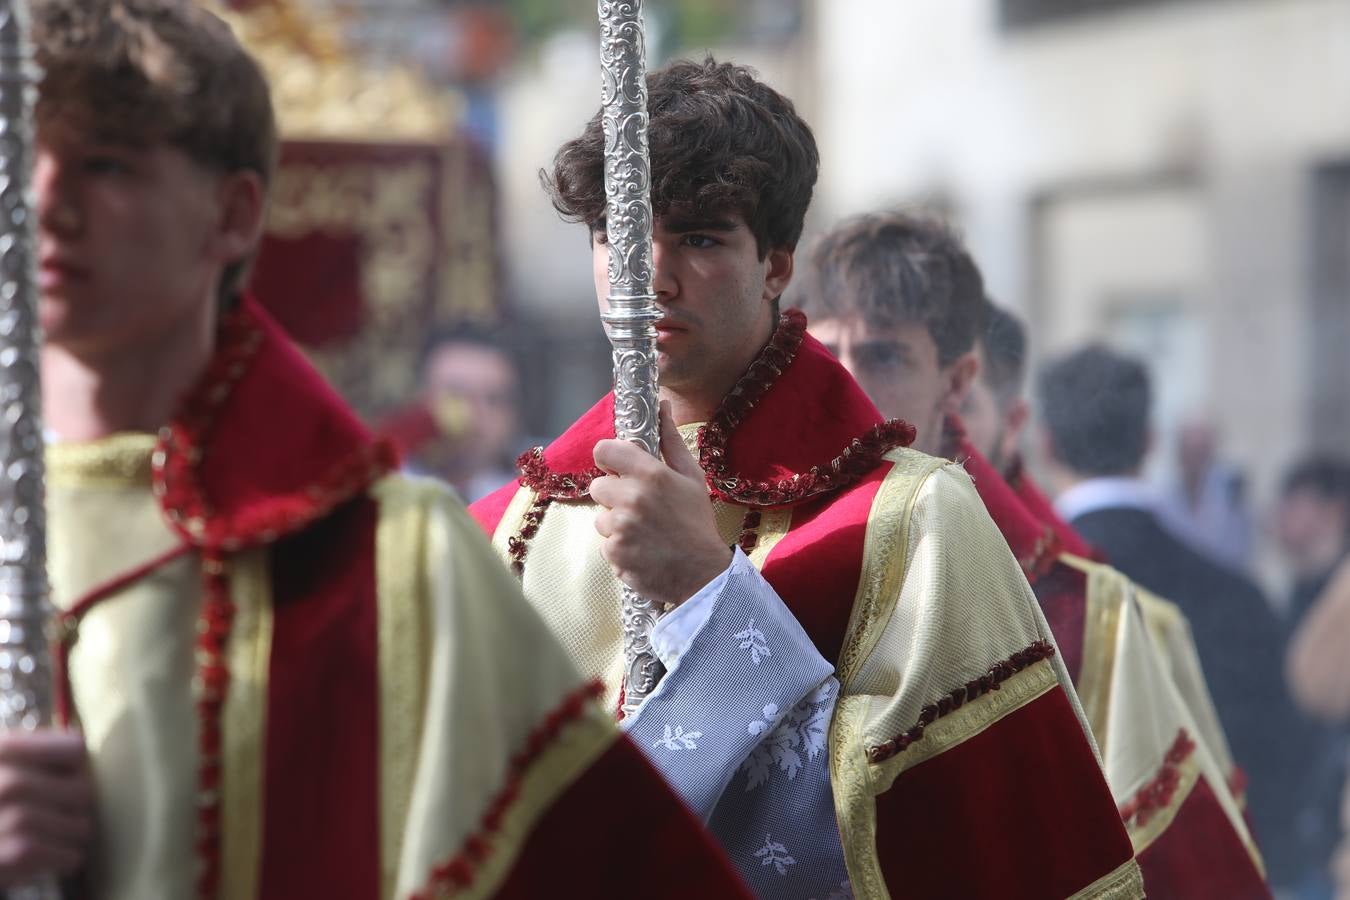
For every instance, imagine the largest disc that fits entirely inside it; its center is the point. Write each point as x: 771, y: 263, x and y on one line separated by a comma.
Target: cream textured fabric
x: 484, y: 670
x: 493, y: 674
x: 132, y: 669
x: 1172, y: 635
x: 1145, y: 713
x: 962, y: 588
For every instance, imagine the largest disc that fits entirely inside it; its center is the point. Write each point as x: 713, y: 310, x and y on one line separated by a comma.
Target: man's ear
x: 1014, y: 420
x: 243, y: 213
x: 960, y: 374
x: 1017, y: 417
x: 778, y: 272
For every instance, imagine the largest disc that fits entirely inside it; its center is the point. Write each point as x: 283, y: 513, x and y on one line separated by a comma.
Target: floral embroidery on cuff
x: 802, y: 730
x: 753, y: 639
x: 678, y: 739
x: 774, y: 854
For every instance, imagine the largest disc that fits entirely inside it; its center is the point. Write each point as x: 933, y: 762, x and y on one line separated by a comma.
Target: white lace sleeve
x: 744, y: 667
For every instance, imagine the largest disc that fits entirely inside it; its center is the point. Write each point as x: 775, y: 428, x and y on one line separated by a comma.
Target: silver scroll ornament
x: 25, y: 664
x: 632, y: 316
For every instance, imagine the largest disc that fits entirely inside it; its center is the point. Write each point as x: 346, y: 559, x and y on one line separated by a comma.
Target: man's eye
x: 105, y: 165
x: 881, y: 357
x: 700, y: 241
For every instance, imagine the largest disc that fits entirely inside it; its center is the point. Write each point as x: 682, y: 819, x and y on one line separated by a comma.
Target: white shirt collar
x: 1105, y: 493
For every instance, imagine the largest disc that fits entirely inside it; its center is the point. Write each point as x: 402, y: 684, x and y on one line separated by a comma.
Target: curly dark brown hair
x: 721, y: 140
x: 893, y: 268
x: 137, y: 72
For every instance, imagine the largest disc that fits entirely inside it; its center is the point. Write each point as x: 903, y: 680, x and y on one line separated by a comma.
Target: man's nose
x: 57, y: 211
x: 664, y: 283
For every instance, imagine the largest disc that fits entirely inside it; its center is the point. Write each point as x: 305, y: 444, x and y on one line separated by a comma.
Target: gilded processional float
x: 381, y: 224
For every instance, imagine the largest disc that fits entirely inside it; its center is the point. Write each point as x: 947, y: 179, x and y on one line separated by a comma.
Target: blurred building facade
x: 1172, y: 177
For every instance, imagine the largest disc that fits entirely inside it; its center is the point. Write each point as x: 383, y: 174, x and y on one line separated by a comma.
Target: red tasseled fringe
x: 855, y: 461
x: 458, y: 873
x: 991, y: 680
x: 1157, y: 794
x: 177, y: 484
x: 538, y: 477
x: 518, y: 545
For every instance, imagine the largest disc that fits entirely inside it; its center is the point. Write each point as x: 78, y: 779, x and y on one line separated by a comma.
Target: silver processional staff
x: 25, y: 664
x: 632, y: 316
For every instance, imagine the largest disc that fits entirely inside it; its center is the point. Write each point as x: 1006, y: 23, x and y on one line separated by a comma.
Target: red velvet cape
x: 1033, y: 837
x: 1199, y: 855
x: 276, y: 458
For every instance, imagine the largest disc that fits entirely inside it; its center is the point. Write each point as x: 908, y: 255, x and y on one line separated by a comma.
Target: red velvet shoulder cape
x: 264, y: 453
x: 798, y: 432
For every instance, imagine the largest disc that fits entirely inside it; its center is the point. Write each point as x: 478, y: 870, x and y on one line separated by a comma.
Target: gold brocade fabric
x: 940, y: 599
x: 132, y: 668
x: 478, y: 675
x: 467, y: 673
x: 1134, y: 700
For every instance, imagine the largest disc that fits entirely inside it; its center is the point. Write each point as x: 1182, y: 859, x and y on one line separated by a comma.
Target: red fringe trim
x: 176, y: 472
x: 536, y: 475
x: 991, y: 680
x: 459, y: 872
x: 749, y: 538
x: 856, y: 460
x: 860, y: 457
x: 1157, y: 794
x: 518, y: 545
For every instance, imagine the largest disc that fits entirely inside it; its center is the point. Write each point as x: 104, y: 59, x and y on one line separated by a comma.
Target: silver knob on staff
x: 25, y: 664
x: 632, y: 316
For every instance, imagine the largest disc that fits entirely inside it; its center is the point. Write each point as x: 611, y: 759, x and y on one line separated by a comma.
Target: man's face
x: 994, y: 426
x: 897, y: 366
x: 1310, y: 528
x: 127, y: 240
x: 715, y: 296
x: 983, y: 418
x: 482, y: 382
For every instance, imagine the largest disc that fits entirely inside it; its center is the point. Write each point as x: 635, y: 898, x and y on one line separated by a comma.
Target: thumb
x: 673, y: 449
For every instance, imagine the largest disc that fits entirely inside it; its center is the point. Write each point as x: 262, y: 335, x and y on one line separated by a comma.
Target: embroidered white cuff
x: 674, y: 632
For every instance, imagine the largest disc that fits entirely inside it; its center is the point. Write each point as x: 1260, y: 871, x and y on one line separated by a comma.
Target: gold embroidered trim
x: 119, y: 460
x: 404, y: 632
x: 855, y: 808
x: 244, y: 726
x: 966, y: 722
x: 1101, y: 625
x: 567, y: 757
x: 883, y: 569
x: 884, y: 556
x: 1125, y: 883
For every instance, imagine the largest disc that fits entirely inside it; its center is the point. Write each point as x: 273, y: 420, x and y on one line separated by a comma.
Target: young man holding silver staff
x: 860, y: 695
x: 294, y: 672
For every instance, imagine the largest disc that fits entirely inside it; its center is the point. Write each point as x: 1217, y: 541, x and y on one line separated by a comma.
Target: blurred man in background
x: 900, y: 301
x: 1208, y: 505
x: 1312, y: 527
x: 1096, y: 405
x: 470, y: 381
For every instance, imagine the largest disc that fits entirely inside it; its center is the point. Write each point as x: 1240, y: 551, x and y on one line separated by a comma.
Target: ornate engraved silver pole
x: 632, y: 316
x: 25, y: 667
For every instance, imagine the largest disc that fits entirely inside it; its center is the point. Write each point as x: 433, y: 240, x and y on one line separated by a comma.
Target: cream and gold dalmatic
x: 132, y: 666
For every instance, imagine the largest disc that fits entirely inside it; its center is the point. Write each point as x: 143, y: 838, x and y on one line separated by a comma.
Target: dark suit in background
x: 1239, y: 640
